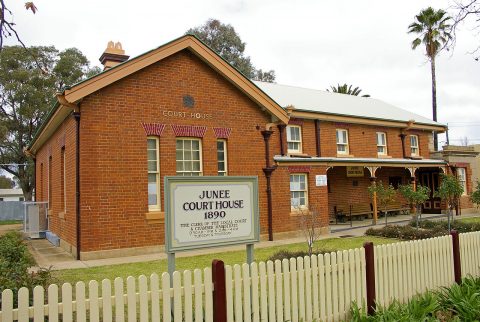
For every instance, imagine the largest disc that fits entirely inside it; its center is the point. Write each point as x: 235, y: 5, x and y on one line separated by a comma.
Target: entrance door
x: 430, y: 179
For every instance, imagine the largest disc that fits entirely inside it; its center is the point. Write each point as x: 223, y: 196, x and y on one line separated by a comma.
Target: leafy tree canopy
x: 26, y: 95
x: 347, y: 89
x: 449, y: 190
x: 225, y: 41
x: 6, y: 183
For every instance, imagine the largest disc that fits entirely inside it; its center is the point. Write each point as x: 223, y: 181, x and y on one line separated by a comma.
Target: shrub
x: 287, y: 254
x: 15, y: 260
x: 405, y: 232
x: 460, y: 226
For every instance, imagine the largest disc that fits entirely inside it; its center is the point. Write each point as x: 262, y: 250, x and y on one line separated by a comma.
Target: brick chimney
x: 113, y: 55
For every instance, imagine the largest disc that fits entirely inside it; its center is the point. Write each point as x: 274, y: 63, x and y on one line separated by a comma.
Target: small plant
x: 384, y: 194
x: 286, y: 254
x: 310, y: 223
x: 405, y: 232
x: 415, y: 197
x: 450, y: 190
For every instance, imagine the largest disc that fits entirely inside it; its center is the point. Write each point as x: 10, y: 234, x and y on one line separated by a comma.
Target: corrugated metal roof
x: 11, y: 192
x: 318, y: 101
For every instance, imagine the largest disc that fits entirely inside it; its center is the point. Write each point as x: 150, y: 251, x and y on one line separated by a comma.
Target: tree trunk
x: 434, y: 101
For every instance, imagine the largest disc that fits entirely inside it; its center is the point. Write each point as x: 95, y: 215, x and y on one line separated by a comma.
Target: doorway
x: 430, y: 179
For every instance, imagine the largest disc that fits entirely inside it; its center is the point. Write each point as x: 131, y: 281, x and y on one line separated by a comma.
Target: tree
x: 7, y: 26
x: 476, y: 195
x: 450, y: 190
x: 346, y: 89
x: 6, y: 183
x: 415, y: 197
x: 26, y: 95
x: 384, y: 194
x: 310, y: 223
x: 432, y: 27
x: 223, y: 39
x: 465, y: 10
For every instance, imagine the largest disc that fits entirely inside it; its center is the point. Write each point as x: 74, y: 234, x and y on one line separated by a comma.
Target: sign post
x: 202, y: 212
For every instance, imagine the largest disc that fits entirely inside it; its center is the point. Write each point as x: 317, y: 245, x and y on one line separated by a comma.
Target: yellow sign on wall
x: 354, y: 171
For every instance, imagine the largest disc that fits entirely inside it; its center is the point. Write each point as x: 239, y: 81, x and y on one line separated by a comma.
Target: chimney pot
x: 113, y: 55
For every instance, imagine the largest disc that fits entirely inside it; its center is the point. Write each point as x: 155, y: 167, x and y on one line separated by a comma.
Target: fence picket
x: 237, y: 277
x: 247, y: 308
x: 263, y: 292
x: 197, y: 276
x: 328, y: 287
x: 228, y: 292
x: 308, y: 288
x: 38, y: 302
x: 188, y: 296
x: 67, y: 303
x: 155, y: 296
x: 107, y: 314
x: 301, y: 289
x: 166, y: 309
x: 119, y: 300
x: 271, y: 292
x: 334, y: 264
x: 294, y: 289
x: 207, y: 281
x: 351, y: 280
x: 81, y: 309
x: 94, y: 309
x: 321, y: 286
x: 341, y: 286
x: 23, y: 296
x: 143, y: 297
x: 314, y: 266
x: 255, y: 292
x: 53, y: 303
x: 177, y: 297
x: 7, y: 305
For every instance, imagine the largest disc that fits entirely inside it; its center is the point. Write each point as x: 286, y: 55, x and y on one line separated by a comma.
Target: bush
x: 15, y: 260
x: 460, y: 226
x: 405, y: 232
x: 287, y: 254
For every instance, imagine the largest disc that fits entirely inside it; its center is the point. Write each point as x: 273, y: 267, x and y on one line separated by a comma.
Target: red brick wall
x: 62, y: 222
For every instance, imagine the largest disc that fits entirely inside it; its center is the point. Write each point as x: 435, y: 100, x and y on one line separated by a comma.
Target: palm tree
x: 433, y: 31
x: 345, y: 89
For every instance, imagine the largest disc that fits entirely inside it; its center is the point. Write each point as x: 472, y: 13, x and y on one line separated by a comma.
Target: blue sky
x: 311, y: 44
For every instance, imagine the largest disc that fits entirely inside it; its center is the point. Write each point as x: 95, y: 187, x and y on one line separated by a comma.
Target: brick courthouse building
x: 180, y: 109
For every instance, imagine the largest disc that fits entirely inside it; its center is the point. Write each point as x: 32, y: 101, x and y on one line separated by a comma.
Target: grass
x: 469, y: 220
x: 10, y: 222
x: 201, y: 261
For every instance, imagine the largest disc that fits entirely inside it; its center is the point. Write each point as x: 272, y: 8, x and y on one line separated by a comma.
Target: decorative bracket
x: 373, y: 170
x: 412, y: 171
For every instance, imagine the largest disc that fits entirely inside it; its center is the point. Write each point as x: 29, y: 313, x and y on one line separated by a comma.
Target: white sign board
x: 210, y: 211
x: 321, y: 180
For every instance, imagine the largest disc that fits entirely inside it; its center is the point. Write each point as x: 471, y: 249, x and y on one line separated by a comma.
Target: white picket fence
x: 317, y: 288
x: 470, y: 254
x: 407, y: 268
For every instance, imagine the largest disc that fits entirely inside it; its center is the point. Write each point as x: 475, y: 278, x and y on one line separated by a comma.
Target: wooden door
x: 431, y: 180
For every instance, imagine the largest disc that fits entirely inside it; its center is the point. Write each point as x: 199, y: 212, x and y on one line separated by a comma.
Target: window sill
x: 155, y: 216
x: 345, y: 155
x: 299, y: 213
x: 416, y: 157
x: 297, y: 154
x: 384, y: 156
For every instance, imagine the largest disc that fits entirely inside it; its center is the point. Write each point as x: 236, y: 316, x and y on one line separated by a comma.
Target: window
x: 153, y: 174
x: 62, y: 180
x: 462, y: 178
x: 298, y: 191
x: 381, y: 143
x: 342, y: 141
x: 414, y: 145
x: 188, y: 154
x: 49, y: 188
x: 294, y: 139
x: 222, y: 157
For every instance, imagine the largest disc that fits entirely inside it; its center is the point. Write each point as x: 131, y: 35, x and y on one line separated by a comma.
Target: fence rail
x: 316, y: 288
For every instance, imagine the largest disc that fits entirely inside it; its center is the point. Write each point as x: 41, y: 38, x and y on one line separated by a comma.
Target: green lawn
x: 469, y: 220
x: 10, y: 222
x: 202, y: 261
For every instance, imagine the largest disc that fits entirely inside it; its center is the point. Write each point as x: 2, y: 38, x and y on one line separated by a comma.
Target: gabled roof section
x: 326, y: 105
x: 190, y: 42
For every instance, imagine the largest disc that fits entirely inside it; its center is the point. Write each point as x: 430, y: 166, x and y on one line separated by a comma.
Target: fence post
x: 457, y: 268
x: 370, y: 277
x: 219, y: 292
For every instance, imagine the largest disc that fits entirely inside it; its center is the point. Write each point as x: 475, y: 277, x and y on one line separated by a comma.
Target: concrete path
x: 48, y: 255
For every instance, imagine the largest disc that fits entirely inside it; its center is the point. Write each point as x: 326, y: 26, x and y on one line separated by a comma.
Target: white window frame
x: 158, y: 205
x: 225, y: 160
x: 462, y: 178
x: 189, y: 173
x: 414, y: 149
x: 382, y: 146
x: 346, y: 152
x: 294, y: 141
x: 305, y: 191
